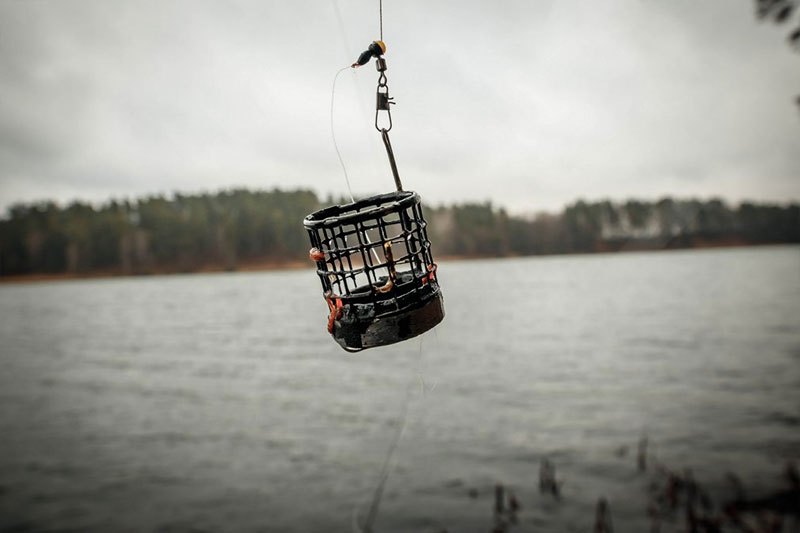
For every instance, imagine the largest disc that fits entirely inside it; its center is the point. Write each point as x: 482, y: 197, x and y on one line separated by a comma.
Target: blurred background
x: 570, y: 388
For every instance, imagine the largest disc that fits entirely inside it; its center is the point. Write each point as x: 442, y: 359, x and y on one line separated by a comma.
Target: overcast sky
x: 531, y: 104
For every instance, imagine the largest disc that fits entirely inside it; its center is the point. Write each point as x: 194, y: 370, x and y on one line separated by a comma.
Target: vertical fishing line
x: 333, y: 134
x: 386, y: 468
x: 342, y: 33
x: 423, y: 386
x: 341, y: 161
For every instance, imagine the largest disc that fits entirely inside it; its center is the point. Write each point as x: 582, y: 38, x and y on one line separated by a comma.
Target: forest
x: 241, y: 228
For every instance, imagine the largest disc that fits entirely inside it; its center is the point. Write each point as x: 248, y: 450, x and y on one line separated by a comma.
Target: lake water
x: 219, y: 402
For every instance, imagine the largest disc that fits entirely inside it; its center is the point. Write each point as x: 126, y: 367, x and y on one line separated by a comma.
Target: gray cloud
x: 530, y: 104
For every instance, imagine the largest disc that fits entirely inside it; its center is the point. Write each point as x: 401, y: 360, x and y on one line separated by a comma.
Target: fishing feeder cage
x: 378, y: 276
x: 373, y: 255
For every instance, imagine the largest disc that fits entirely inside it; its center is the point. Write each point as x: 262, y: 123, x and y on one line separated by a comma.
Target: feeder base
x: 358, y: 332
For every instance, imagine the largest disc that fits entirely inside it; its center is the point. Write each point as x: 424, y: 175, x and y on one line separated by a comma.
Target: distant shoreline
x: 250, y: 266
x: 269, y: 265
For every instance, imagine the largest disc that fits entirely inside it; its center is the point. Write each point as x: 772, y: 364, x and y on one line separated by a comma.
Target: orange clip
x: 335, y: 307
x: 315, y: 254
x: 432, y: 269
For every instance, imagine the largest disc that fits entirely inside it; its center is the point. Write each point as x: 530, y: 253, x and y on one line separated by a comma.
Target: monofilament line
x: 333, y: 135
x: 341, y: 161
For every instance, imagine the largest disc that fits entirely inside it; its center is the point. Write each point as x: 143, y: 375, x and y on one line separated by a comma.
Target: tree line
x: 235, y: 228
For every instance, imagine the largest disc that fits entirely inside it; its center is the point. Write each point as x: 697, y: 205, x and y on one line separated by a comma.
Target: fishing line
x: 342, y: 32
x: 423, y: 386
x: 387, y: 467
x: 386, y: 470
x: 341, y: 161
x: 333, y: 134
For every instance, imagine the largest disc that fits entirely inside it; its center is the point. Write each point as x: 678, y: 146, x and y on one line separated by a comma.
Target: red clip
x: 315, y: 254
x: 335, y: 305
x: 432, y: 269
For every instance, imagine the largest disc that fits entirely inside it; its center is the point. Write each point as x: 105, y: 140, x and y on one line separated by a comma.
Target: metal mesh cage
x: 378, y: 275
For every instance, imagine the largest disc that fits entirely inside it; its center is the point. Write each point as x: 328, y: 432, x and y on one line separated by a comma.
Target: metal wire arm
x: 383, y: 102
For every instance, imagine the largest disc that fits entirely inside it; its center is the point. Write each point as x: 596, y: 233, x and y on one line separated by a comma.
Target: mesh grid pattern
x: 353, y: 237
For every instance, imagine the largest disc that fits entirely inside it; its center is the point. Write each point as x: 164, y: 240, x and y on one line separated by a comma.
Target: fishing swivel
x: 382, y: 98
x: 383, y: 101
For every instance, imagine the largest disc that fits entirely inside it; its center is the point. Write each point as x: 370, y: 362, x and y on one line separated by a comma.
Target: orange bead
x: 315, y: 254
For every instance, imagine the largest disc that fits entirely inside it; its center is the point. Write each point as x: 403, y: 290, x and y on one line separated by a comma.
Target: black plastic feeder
x: 378, y: 276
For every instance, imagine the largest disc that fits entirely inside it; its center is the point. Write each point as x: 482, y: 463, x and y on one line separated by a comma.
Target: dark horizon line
x: 342, y: 199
